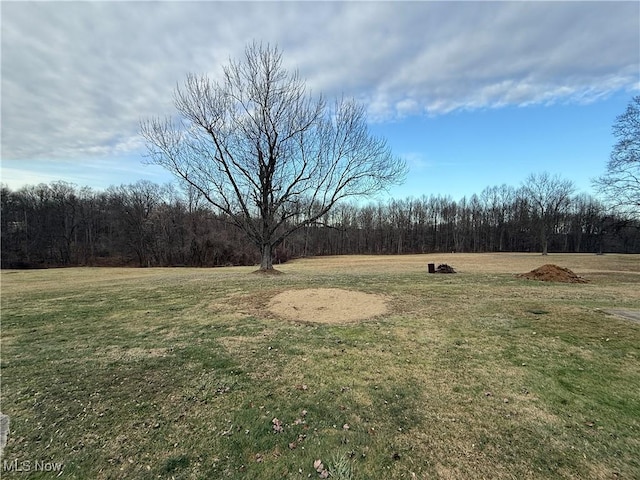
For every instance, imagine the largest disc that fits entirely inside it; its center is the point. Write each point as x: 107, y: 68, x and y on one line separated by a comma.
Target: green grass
x: 180, y: 373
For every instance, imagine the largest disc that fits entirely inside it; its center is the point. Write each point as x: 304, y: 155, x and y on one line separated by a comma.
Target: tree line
x: 269, y: 171
x: 145, y: 224
x: 281, y: 165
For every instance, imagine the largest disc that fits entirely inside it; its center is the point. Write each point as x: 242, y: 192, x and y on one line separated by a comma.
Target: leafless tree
x: 549, y: 198
x: 265, y: 152
x: 621, y: 183
x: 135, y: 205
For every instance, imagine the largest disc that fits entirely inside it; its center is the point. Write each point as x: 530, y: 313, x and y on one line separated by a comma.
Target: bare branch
x: 620, y: 185
x: 261, y: 149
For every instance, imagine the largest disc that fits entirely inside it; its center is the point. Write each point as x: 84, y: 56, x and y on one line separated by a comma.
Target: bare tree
x: 265, y: 152
x: 549, y: 198
x: 135, y: 205
x: 621, y: 184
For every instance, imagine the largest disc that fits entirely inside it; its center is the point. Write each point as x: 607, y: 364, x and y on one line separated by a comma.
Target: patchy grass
x: 185, y: 374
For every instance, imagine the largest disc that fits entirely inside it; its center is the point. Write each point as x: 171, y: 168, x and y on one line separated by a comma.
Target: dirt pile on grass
x: 444, y: 268
x: 553, y: 273
x: 327, y: 305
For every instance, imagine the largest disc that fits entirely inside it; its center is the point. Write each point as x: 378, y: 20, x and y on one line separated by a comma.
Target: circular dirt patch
x: 327, y: 305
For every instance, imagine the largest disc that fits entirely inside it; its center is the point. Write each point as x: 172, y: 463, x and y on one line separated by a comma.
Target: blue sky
x: 460, y: 153
x: 471, y: 94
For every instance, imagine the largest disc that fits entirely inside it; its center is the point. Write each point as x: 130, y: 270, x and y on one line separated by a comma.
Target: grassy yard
x: 185, y: 373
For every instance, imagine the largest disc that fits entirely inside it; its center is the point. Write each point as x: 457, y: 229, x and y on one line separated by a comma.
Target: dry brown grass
x: 513, y: 263
x: 327, y: 305
x: 161, y: 373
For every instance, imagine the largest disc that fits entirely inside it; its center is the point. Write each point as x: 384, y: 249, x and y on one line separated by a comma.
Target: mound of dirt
x: 444, y: 268
x: 553, y: 273
x: 327, y: 305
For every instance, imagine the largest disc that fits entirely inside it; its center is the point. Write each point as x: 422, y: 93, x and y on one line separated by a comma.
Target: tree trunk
x: 266, y: 253
x: 544, y: 240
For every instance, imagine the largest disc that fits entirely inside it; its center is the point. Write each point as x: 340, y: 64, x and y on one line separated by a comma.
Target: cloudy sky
x: 472, y: 94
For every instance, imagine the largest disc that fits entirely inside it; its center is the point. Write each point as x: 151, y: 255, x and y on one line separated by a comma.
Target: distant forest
x: 145, y: 224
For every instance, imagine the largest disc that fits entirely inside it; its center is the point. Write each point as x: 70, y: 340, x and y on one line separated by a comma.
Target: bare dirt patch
x: 327, y: 305
x: 267, y: 273
x: 625, y: 313
x: 553, y: 273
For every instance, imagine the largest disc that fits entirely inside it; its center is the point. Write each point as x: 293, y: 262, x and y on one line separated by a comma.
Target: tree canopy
x: 265, y: 152
x: 621, y: 183
x: 549, y: 197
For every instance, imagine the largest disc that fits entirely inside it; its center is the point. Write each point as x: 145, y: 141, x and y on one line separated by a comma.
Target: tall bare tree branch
x: 620, y: 185
x: 550, y: 198
x: 265, y: 152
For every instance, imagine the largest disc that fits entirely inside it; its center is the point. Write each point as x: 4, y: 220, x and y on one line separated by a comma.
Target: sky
x: 470, y: 94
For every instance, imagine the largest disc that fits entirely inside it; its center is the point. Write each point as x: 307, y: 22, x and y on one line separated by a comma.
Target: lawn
x: 184, y: 373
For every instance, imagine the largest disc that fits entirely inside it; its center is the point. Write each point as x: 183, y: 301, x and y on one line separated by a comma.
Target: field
x: 184, y: 373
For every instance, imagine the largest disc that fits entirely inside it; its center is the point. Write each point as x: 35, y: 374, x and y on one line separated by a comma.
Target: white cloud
x: 97, y: 171
x: 416, y: 161
x: 77, y: 77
